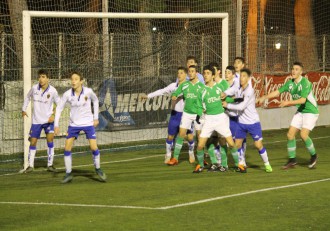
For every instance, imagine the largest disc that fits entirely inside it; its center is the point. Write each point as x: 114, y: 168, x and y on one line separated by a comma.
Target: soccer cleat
x: 213, y: 168
x: 67, y: 178
x: 290, y: 164
x: 198, y: 169
x: 101, y: 175
x: 28, y: 170
x: 173, y: 162
x: 312, y: 162
x: 241, y: 168
x: 268, y: 168
x: 191, y: 158
x: 167, y: 159
x: 223, y: 169
x: 51, y: 168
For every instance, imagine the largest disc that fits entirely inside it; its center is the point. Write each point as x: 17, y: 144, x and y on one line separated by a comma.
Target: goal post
x: 27, y: 40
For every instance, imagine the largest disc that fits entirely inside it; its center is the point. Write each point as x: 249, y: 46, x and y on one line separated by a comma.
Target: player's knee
x: 304, y: 135
x: 258, y: 145
x: 290, y: 136
x: 33, y: 142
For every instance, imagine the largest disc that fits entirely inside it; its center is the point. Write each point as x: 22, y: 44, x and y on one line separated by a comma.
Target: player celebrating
x: 81, y: 119
x: 43, y: 97
x: 188, y: 90
x: 306, y: 116
x: 176, y: 114
x: 248, y: 119
x: 215, y: 119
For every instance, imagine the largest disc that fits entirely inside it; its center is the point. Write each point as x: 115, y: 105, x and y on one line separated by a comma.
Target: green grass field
x: 144, y: 194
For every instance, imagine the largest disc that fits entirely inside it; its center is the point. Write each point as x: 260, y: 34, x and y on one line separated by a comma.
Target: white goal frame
x: 27, y: 15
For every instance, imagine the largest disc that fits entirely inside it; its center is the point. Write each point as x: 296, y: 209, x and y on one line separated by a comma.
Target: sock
x: 68, y: 161
x: 32, y: 154
x: 96, y: 158
x: 200, y: 157
x: 223, y: 152
x: 178, y: 146
x: 241, y: 156
x: 50, y: 152
x: 211, y: 154
x: 191, y: 146
x: 310, y: 146
x: 169, y: 144
x: 234, y: 153
x: 292, y: 148
x: 244, y: 146
x: 217, y: 154
x: 264, y: 156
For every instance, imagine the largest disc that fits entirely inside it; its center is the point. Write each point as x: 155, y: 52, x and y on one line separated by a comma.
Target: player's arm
x: 240, y: 106
x: 268, y: 96
x: 177, y: 92
x: 59, y: 110
x: 167, y: 90
x: 26, y: 102
x: 56, y: 100
x: 304, y: 94
x: 95, y: 101
x: 228, y: 92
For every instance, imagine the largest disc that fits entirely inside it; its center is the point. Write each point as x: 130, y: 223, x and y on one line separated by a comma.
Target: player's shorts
x: 304, y: 120
x: 253, y: 129
x: 74, y: 132
x: 187, y: 121
x: 233, y: 123
x: 174, y: 124
x: 36, y: 129
x: 218, y: 123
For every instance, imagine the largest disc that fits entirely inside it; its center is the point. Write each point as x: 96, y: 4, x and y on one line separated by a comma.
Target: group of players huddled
x: 220, y: 111
x: 223, y: 112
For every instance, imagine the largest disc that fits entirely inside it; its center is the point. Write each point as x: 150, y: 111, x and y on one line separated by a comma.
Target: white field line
x: 166, y: 207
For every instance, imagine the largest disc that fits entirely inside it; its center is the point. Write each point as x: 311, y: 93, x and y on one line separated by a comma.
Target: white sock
x: 32, y: 154
x: 96, y: 158
x: 241, y: 156
x: 217, y: 155
x: 168, y: 148
x: 68, y: 164
x: 191, y: 147
x: 264, y: 156
x: 50, y: 152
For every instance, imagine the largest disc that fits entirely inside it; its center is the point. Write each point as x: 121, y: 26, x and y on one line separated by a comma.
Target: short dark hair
x: 183, y: 69
x: 215, y: 64
x: 43, y: 72
x: 189, y: 57
x: 193, y: 66
x: 298, y: 64
x: 240, y: 58
x: 76, y: 73
x: 231, y: 68
x: 247, y: 71
x: 210, y: 68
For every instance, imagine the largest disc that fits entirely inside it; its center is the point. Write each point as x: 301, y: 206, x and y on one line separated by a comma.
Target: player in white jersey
x: 176, y: 114
x: 192, y: 61
x: 81, y: 119
x: 43, y: 97
x: 248, y: 119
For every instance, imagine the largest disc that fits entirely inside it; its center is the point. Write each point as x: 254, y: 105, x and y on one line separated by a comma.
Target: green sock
x: 200, y: 157
x: 292, y: 148
x: 223, y: 152
x: 310, y: 146
x: 212, y: 155
x: 178, y: 146
x: 234, y: 153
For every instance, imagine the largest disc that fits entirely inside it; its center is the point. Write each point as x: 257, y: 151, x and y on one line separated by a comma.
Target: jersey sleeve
x: 229, y: 99
x: 230, y: 91
x: 56, y: 97
x: 306, y: 89
x: 285, y: 87
x: 167, y: 90
x: 200, y: 103
x: 241, y: 106
x: 27, y: 99
x: 59, y: 109
x: 95, y: 101
x: 178, y: 91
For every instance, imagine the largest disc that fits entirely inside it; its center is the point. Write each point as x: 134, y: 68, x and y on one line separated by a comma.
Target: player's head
x: 191, y: 61
x: 245, y: 74
x: 216, y: 67
x: 192, y: 72
x: 76, y: 79
x: 297, y: 70
x: 239, y: 63
x: 182, y: 73
x: 230, y: 73
x: 43, y: 77
x: 208, y: 73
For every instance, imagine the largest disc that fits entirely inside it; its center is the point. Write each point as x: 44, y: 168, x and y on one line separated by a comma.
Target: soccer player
x: 209, y: 99
x: 189, y: 91
x: 81, y: 119
x: 43, y: 97
x: 192, y: 61
x: 176, y: 114
x: 304, y: 119
x: 248, y: 119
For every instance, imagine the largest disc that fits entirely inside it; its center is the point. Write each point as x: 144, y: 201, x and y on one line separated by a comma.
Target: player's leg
x: 210, y: 144
x: 172, y: 130
x: 33, y: 138
x: 191, y: 145
x: 200, y: 154
x: 68, y: 159
x: 49, y: 130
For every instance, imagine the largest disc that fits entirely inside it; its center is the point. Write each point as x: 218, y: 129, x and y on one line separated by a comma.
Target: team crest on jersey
x: 48, y: 96
x: 86, y: 98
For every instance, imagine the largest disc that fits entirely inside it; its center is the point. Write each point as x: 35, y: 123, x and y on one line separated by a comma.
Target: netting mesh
x: 140, y: 55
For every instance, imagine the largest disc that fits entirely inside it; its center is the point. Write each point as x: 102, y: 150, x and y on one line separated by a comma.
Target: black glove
x: 238, y: 100
x: 197, y: 119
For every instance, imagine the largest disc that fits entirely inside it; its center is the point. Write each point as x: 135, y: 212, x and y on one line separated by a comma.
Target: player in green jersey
x: 306, y: 116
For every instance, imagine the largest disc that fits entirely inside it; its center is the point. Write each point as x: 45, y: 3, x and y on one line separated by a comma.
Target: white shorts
x: 218, y: 123
x: 188, y: 119
x: 304, y: 120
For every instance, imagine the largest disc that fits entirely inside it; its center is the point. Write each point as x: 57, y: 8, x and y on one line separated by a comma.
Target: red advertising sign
x: 258, y: 84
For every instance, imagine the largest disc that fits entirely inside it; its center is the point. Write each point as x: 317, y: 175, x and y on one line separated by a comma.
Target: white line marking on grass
x: 166, y: 207
x: 280, y: 141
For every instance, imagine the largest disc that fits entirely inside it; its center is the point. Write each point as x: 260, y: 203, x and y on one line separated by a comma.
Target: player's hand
x: 174, y: 98
x: 197, y: 119
x: 283, y: 104
x: 224, y: 104
x: 51, y: 119
x: 96, y: 122
x: 24, y: 114
x: 260, y: 100
x: 223, y: 95
x: 56, y: 131
x: 143, y: 97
